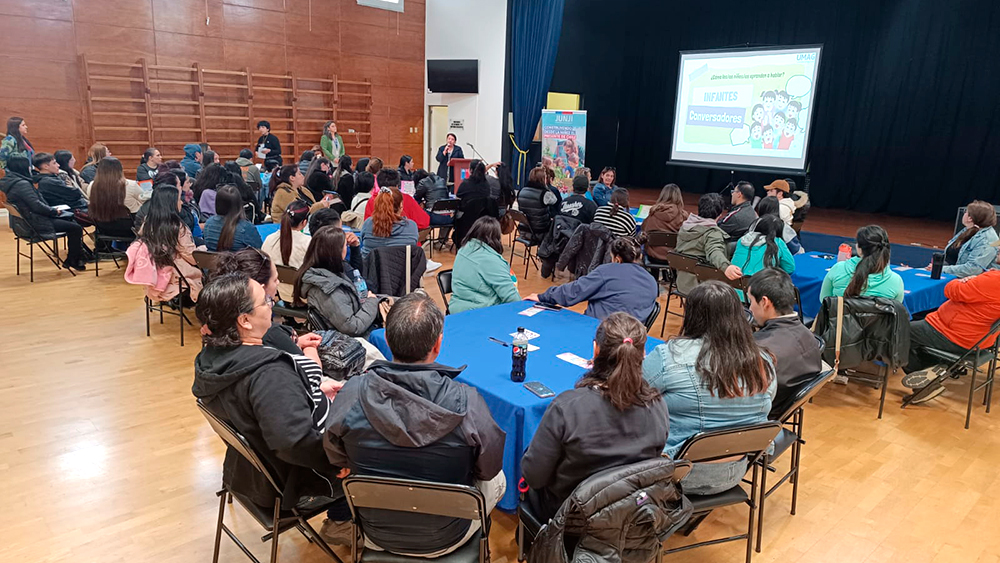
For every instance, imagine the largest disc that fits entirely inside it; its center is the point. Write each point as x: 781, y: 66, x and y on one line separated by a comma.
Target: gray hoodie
x: 336, y: 298
x: 702, y: 238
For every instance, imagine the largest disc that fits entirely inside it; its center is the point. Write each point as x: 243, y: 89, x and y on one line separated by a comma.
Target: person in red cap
x: 781, y: 190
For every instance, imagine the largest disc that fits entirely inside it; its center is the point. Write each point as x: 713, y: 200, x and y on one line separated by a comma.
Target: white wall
x: 470, y: 29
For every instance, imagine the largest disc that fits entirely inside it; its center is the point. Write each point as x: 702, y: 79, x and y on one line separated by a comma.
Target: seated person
x: 387, y: 226
x: 274, y: 399
x: 534, y: 201
x: 330, y: 218
x: 770, y: 206
x: 228, y: 229
x: 53, y: 187
x: 605, y: 186
x: 763, y: 248
x: 389, y: 178
x: 620, y: 285
x: 701, y: 237
x: 612, y: 417
x: 331, y: 287
x: 170, y: 245
x: 410, y: 419
x: 284, y: 188
x: 577, y: 205
x: 667, y: 215
x: 797, y: 351
x: 741, y: 215
x: 972, y: 307
x: 109, y: 193
x: 867, y: 274
x: 428, y: 189
x: 476, y: 185
x: 482, y: 276
x: 616, y: 216
x: 712, y: 376
x: 205, y: 188
x: 287, y: 246
x: 781, y: 190
x: 973, y: 250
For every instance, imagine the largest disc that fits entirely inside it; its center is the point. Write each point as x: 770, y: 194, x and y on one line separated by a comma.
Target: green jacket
x: 330, y: 151
x: 886, y: 283
x: 750, y: 251
x: 704, y: 239
x: 481, y: 279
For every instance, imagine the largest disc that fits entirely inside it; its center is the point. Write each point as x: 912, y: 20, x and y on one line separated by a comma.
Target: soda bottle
x: 360, y: 284
x: 844, y: 252
x: 519, y: 356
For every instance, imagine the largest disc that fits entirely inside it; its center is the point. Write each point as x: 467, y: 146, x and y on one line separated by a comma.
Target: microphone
x: 473, y: 147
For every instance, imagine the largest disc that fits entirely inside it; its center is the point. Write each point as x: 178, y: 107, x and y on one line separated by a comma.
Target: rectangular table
x: 516, y: 410
x: 922, y: 293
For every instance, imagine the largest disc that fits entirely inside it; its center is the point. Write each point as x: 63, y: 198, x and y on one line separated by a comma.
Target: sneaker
x: 79, y: 266
x: 337, y: 533
x: 431, y: 266
x: 920, y: 379
x: 840, y: 379
x: 927, y: 393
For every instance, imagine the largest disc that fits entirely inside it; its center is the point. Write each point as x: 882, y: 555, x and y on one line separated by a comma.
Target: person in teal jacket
x: 763, y: 248
x: 481, y: 277
x: 867, y: 274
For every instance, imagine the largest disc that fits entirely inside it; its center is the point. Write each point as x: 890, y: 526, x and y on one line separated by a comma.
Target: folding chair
x: 679, y: 263
x: 100, y: 238
x: 970, y: 360
x: 751, y: 441
x: 442, y: 207
x: 789, y: 436
x: 416, y: 497
x: 706, y: 272
x: 658, y: 239
x: 274, y: 522
x: 175, y: 305
x: 651, y: 319
x: 521, y: 220
x: 23, y: 230
x: 288, y: 274
x: 444, y: 284
x: 206, y: 260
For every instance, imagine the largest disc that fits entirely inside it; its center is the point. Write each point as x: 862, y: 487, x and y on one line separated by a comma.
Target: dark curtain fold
x: 535, y: 29
x: 907, y: 117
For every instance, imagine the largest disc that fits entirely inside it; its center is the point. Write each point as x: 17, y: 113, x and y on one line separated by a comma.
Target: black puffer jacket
x: 621, y: 515
x: 874, y: 328
x: 385, y: 270
x: 56, y: 191
x: 430, y: 189
x: 555, y: 241
x: 21, y: 193
x: 534, y: 202
x: 588, y: 248
x: 469, y: 211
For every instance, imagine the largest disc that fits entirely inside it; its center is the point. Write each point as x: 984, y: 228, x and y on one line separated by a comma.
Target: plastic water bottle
x: 360, y: 284
x: 844, y: 252
x: 519, y: 356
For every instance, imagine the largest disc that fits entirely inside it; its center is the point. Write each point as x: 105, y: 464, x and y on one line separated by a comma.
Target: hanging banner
x: 564, y: 140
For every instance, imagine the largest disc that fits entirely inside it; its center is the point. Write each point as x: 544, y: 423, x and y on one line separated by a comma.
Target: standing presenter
x: 446, y: 152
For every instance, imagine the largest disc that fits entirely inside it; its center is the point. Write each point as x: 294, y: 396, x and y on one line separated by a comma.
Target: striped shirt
x: 622, y: 224
x: 314, y: 373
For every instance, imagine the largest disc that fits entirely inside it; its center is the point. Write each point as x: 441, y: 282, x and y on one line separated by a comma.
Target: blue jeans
x: 714, y: 478
x: 440, y: 220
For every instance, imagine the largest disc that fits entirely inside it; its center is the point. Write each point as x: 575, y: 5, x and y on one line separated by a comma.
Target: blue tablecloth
x: 516, y: 410
x: 267, y: 228
x: 922, y: 293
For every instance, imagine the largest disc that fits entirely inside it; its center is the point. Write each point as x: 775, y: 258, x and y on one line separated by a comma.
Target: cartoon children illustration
x: 757, y: 114
x: 793, y: 109
x: 778, y: 122
x: 788, y: 134
x: 572, y: 163
x: 781, y: 101
x: 768, y: 135
x: 755, y: 135
x: 768, y: 98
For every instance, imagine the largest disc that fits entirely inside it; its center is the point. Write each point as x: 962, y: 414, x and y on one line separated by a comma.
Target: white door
x: 437, y: 135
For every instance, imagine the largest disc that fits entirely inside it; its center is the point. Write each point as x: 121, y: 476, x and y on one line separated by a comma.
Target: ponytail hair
x: 282, y: 176
x: 629, y: 249
x: 388, y: 203
x: 983, y: 215
x: 875, y: 249
x: 619, y: 199
x: 229, y: 205
x: 617, y: 371
x: 296, y: 212
x: 770, y: 227
x: 147, y: 154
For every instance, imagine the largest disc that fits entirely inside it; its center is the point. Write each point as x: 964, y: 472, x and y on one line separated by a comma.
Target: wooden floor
x: 104, y: 458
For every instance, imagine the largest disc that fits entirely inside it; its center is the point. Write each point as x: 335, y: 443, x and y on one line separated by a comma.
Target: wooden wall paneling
x: 315, y: 105
x: 149, y: 106
x: 201, y: 101
x: 175, y: 108
x: 228, y: 115
x: 43, y: 9
x: 114, y: 43
x: 188, y: 17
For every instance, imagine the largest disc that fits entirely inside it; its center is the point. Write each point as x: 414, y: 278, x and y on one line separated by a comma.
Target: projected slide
x: 745, y: 108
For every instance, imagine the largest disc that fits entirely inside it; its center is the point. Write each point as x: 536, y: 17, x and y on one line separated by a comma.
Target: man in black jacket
x: 577, y: 205
x: 797, y: 350
x: 409, y: 419
x: 267, y: 143
x: 741, y: 216
x: 52, y: 187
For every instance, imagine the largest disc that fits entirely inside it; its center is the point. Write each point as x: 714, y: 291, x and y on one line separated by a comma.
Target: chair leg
x: 181, y: 316
x: 797, y: 459
x: 885, y: 387
x: 972, y: 391
x: 666, y: 313
x: 146, y: 303
x: 17, y: 257
x: 218, y: 526
x: 31, y: 263
x: 753, y: 492
x: 274, y: 531
x: 765, y: 461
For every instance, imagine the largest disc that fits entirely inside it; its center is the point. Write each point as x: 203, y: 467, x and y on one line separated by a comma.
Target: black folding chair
x: 970, y: 360
x: 651, y: 318
x: 276, y: 521
x: 24, y: 231
x: 707, y: 272
x: 790, y: 437
x: 102, y: 241
x: 658, y: 239
x: 174, y: 307
x: 751, y: 441
x: 288, y: 274
x: 442, y: 207
x: 444, y: 284
x: 680, y: 264
x: 526, y: 240
x: 416, y: 497
x: 207, y: 260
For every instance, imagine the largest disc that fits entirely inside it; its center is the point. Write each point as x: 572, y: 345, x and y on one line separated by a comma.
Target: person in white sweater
x: 287, y: 246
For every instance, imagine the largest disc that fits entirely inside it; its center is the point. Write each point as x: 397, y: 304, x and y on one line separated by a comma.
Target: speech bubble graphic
x: 740, y: 136
x: 798, y: 86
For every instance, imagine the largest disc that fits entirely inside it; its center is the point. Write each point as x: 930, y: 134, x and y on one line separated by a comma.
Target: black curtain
x: 907, y: 113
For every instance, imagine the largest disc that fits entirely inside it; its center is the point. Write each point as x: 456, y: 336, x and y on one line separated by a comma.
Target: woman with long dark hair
x: 108, y: 193
x: 170, y: 243
x: 667, y: 214
x: 387, y: 226
x: 867, y: 274
x: 148, y: 164
x: 612, y: 417
x: 476, y: 185
x: 616, y: 216
x: 406, y: 167
x: 481, y: 275
x: 762, y: 247
x: 95, y: 155
x: 319, y: 186
x: 712, y: 376
x: 327, y: 281
x: 67, y: 167
x: 206, y: 186
x: 974, y: 249
x: 331, y: 143
x: 622, y: 285
x: 285, y: 187
x: 16, y: 142
x: 229, y: 229
x: 771, y: 206
x: 605, y: 186
x: 343, y: 181
x: 288, y: 246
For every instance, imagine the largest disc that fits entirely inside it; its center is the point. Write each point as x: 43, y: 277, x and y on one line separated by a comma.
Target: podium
x: 461, y: 170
